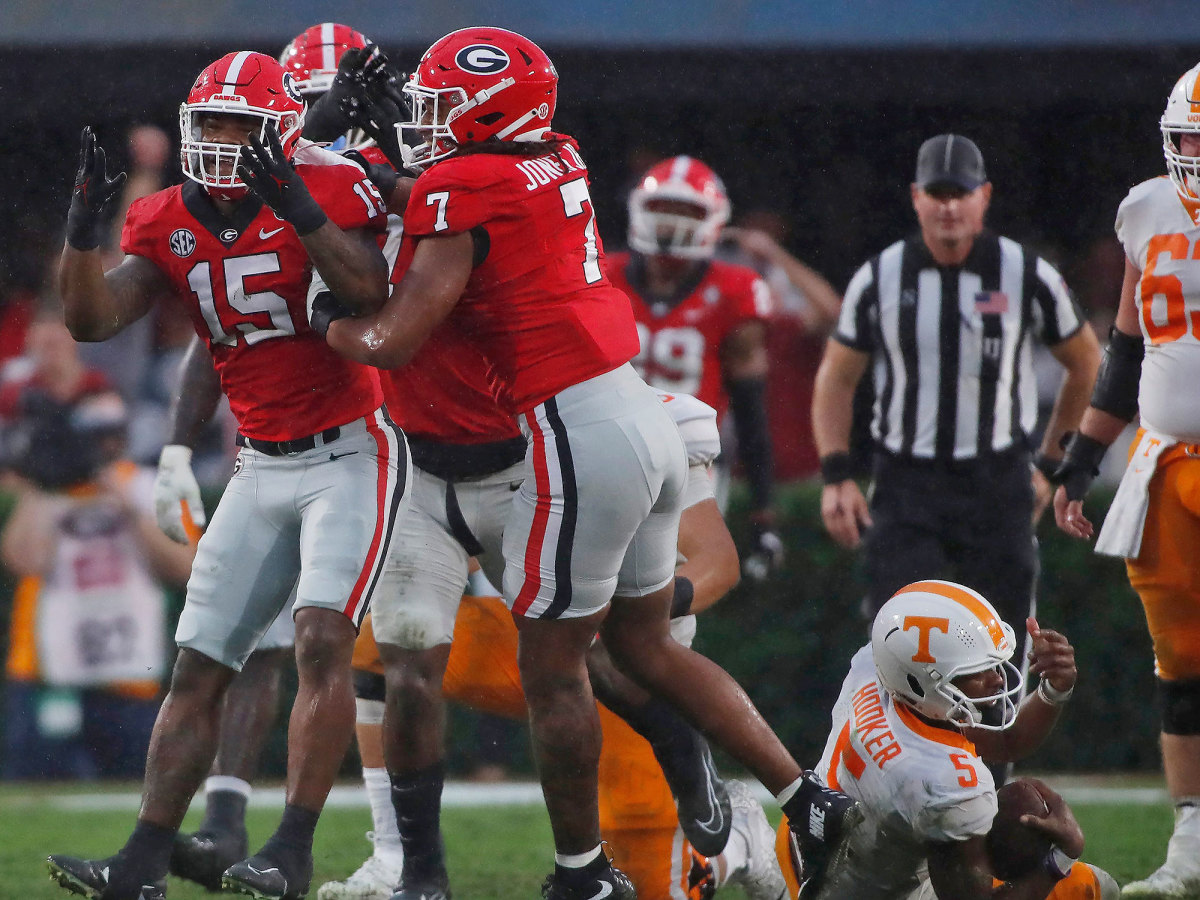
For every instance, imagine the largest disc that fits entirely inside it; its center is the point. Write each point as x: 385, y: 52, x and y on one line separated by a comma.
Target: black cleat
x: 90, y: 877
x: 701, y: 798
x: 823, y: 821
x: 610, y: 883
x: 263, y: 878
x: 204, y: 856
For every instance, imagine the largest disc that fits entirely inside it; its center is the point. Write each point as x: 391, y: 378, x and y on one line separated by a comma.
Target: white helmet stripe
x: 229, y: 86
x: 679, y: 168
x: 328, y: 50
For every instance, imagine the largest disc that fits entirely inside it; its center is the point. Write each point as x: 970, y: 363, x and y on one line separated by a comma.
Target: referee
x: 945, y: 321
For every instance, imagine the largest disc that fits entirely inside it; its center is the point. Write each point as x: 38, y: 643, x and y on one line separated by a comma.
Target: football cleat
x: 1165, y: 884
x: 375, y: 879
x: 822, y: 821
x: 609, y: 883
x: 760, y: 877
x: 204, y: 856
x: 90, y: 877
x: 262, y: 878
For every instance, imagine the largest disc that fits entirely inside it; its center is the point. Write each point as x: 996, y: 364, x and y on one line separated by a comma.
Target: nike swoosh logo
x: 263, y: 234
x: 605, y: 890
x: 260, y: 871
x: 333, y: 456
x: 716, y: 821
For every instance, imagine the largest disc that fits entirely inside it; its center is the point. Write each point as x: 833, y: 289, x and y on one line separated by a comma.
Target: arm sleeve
x: 747, y: 402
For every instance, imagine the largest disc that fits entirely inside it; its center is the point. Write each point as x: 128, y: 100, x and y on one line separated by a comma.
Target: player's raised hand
x: 1051, y: 656
x: 267, y: 171
x: 177, y: 503
x: 374, y: 102
x: 93, y: 191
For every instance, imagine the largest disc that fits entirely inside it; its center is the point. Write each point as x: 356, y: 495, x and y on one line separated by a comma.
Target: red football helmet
x: 473, y: 85
x: 678, y: 209
x: 244, y: 84
x: 312, y: 57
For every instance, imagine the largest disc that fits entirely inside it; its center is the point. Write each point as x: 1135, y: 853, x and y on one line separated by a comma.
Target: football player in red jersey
x: 701, y: 321
x: 261, y: 228
x: 500, y: 240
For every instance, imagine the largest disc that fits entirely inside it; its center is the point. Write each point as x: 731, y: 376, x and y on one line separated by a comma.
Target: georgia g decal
x: 289, y: 85
x: 482, y: 59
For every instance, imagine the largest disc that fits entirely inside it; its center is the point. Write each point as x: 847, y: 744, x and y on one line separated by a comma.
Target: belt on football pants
x: 286, y: 448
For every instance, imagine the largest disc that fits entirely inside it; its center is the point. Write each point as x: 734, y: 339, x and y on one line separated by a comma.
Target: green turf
x: 494, y: 853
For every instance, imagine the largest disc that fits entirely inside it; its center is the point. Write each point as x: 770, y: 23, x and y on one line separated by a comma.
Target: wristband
x: 1057, y: 864
x: 1048, y: 466
x: 836, y: 467
x: 1052, y: 695
x: 685, y: 592
x: 326, y: 308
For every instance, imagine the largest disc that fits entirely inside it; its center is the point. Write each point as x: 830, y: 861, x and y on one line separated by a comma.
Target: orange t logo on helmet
x: 925, y: 626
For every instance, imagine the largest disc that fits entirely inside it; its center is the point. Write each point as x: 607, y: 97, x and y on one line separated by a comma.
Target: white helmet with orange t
x: 932, y: 632
x: 1182, y: 116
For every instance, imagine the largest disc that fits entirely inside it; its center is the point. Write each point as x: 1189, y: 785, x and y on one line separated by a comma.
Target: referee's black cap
x: 950, y: 159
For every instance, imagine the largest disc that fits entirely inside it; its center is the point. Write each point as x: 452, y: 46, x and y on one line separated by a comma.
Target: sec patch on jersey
x: 1013, y: 848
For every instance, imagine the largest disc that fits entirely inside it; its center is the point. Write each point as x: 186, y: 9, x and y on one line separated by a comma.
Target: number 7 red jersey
x: 539, y: 305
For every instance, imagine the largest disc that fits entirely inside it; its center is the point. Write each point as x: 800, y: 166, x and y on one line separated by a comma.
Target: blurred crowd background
x: 812, y: 115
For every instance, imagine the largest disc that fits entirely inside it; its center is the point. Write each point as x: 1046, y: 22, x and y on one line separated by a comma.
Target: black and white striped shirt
x: 951, y: 345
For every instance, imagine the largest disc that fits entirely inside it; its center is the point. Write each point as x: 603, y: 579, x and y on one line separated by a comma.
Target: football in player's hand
x: 1013, y: 848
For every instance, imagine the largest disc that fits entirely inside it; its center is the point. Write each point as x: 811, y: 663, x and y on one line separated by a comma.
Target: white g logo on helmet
x: 482, y: 59
x: 930, y: 633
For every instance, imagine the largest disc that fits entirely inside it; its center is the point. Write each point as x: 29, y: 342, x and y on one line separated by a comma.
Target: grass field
x: 494, y: 852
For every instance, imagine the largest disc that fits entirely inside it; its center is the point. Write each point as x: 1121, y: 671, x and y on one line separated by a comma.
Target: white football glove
x: 174, y: 486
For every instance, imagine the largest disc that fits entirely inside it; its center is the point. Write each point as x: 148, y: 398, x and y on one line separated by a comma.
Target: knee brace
x: 1180, y: 706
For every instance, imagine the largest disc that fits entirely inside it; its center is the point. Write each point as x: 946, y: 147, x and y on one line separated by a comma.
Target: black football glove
x: 325, y: 121
x: 270, y: 175
x: 325, y: 309
x: 93, y: 191
x: 383, y: 176
x: 764, y: 551
x: 1080, y: 465
x: 374, y: 102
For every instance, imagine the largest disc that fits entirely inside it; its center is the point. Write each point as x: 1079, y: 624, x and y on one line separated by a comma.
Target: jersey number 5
x: 962, y: 762
x: 241, y: 314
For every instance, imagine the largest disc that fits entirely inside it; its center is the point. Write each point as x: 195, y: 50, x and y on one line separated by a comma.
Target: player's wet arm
x: 429, y: 290
x: 711, y: 564
x: 351, y: 265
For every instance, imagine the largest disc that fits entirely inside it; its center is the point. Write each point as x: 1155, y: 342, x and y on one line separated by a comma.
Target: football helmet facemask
x: 473, y: 85
x: 932, y: 632
x: 671, y: 231
x: 1182, y: 116
x: 243, y: 84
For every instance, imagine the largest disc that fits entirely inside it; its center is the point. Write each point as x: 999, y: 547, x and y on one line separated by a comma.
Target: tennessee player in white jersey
x: 909, y: 743
x: 1152, y: 356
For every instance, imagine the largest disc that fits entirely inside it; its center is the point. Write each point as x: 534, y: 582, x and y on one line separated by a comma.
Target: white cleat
x: 761, y: 877
x: 1165, y: 884
x: 376, y: 879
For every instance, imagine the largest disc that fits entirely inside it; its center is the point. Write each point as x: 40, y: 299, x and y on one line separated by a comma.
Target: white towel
x: 1122, y: 531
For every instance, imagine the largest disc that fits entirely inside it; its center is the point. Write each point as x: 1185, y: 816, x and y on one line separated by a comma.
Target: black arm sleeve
x: 325, y: 122
x: 1116, y: 390
x: 747, y: 402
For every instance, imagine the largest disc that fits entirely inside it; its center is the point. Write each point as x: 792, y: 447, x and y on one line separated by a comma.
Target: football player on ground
x: 1152, y: 353
x: 261, y: 227
x: 702, y: 322
x: 501, y: 241
x: 637, y: 816
x: 908, y: 741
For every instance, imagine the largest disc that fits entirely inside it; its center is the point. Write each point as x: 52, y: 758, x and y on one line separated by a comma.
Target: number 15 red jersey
x: 244, y: 280
x: 539, y: 305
